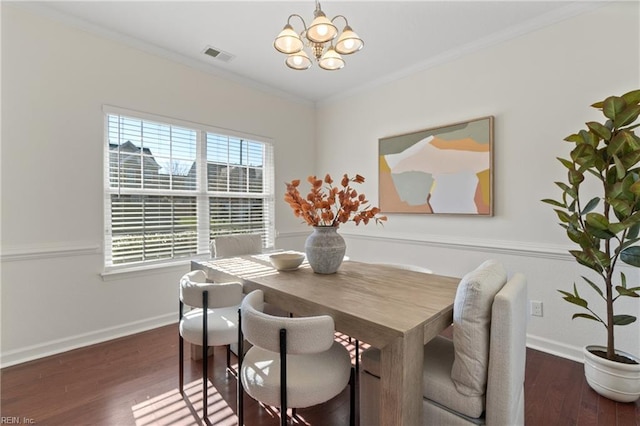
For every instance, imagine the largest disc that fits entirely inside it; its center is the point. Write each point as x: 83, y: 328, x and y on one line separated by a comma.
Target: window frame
x: 201, y: 194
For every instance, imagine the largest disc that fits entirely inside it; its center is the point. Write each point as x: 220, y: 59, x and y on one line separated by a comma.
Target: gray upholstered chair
x: 293, y: 362
x: 478, y: 377
x: 235, y: 245
x: 219, y: 327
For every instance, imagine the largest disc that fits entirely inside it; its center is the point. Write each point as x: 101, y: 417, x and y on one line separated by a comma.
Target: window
x: 171, y: 186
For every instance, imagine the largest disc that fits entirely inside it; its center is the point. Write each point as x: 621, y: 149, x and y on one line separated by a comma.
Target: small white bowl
x: 286, y: 261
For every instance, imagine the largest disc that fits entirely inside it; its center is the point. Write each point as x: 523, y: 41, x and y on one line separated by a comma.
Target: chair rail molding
x: 44, y: 251
x: 547, y: 251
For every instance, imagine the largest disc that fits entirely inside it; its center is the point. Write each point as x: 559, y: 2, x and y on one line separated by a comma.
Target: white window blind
x: 172, y: 186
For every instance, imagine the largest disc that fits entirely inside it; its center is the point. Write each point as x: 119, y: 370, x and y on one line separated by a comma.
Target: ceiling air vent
x: 218, y: 54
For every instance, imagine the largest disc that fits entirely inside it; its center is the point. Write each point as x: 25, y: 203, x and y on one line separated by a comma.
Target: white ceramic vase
x: 325, y: 249
x: 614, y: 380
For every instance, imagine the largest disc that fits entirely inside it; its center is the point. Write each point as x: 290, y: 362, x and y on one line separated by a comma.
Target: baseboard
x: 54, y: 347
x: 552, y: 347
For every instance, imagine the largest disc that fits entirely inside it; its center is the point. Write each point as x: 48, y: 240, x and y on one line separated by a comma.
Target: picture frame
x: 441, y: 170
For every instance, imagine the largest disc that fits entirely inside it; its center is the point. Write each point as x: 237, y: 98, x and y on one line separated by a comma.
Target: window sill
x: 117, y: 273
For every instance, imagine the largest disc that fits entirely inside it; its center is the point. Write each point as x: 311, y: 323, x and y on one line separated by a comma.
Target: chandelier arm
x: 340, y: 16
x: 304, y: 24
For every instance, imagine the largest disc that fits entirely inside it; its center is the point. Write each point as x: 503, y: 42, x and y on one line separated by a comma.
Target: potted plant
x: 606, y: 227
x: 325, y: 208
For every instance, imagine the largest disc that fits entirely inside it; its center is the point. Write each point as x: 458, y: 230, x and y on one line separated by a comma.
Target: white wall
x: 539, y: 87
x: 55, y: 80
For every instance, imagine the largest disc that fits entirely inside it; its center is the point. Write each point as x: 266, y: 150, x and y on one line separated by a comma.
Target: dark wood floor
x: 134, y: 381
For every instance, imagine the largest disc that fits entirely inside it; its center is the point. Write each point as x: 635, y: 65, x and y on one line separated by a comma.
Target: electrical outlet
x: 536, y: 308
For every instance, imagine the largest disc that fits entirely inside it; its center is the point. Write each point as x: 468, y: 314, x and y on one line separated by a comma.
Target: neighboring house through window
x: 171, y: 186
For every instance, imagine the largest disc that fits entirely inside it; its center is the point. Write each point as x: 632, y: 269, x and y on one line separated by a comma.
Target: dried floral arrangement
x: 328, y: 205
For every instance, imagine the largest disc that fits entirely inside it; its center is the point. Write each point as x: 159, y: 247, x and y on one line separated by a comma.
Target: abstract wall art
x: 443, y: 170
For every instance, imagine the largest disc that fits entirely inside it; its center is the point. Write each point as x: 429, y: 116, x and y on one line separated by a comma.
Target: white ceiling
x: 400, y: 37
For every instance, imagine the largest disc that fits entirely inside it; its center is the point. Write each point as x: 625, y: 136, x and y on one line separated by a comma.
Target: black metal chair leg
x: 357, y: 356
x: 352, y: 398
x: 239, y: 383
x: 283, y: 377
x: 180, y: 352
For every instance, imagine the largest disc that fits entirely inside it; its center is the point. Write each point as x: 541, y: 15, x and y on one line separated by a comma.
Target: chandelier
x: 318, y: 38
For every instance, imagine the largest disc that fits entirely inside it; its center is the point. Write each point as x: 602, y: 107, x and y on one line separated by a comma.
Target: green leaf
x: 599, y: 130
x: 621, y: 171
x: 587, y: 316
x: 627, y: 116
x: 630, y: 159
x: 578, y: 236
x: 623, y: 319
x: 584, y: 154
x: 626, y: 292
x: 598, y: 221
x: 635, y: 188
x: 630, y: 139
x: 576, y: 301
x: 612, y: 106
x: 631, y: 256
x: 632, y: 127
x: 568, y: 164
x: 589, y: 138
x: 632, y: 97
x: 616, y: 143
x: 567, y: 189
x: 627, y: 243
x: 623, y: 280
x: 565, y: 293
x: 601, y: 257
x: 634, y: 230
x: 586, y: 260
x: 577, y: 138
x: 563, y: 216
x: 590, y: 206
x: 575, y: 177
x: 621, y: 207
x: 594, y: 286
x: 616, y: 228
x: 554, y: 202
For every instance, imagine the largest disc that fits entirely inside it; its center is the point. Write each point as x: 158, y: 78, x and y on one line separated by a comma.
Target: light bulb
x: 322, y: 30
x: 297, y: 60
x: 349, y: 44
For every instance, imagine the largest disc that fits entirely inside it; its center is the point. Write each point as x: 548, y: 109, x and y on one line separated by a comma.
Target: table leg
x: 401, y: 380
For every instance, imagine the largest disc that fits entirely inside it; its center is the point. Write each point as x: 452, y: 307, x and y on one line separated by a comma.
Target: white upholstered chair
x: 478, y: 377
x: 293, y: 363
x: 219, y: 327
x: 235, y: 245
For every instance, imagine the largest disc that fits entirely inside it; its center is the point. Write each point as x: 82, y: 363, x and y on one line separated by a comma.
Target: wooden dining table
x: 393, y: 309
